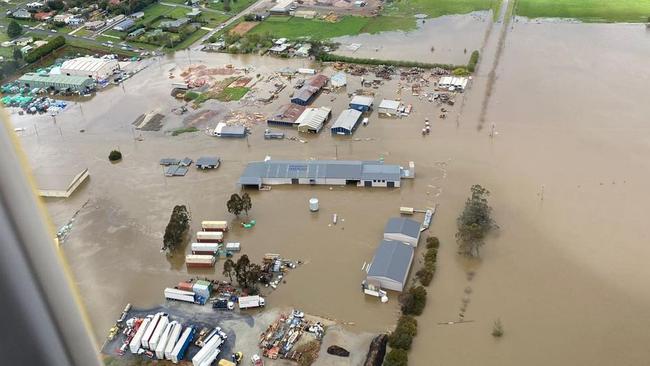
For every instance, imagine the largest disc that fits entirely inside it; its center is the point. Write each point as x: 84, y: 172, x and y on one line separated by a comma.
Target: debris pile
x: 279, y: 340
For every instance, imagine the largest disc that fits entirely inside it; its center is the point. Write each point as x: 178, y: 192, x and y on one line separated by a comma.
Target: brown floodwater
x: 568, y: 173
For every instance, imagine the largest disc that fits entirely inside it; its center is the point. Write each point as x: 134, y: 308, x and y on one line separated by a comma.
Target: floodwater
x: 568, y: 172
x: 448, y: 39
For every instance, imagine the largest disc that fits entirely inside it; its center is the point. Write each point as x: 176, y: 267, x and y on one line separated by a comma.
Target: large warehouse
x: 60, y: 83
x: 92, y: 67
x: 347, y: 122
x: 402, y: 229
x: 332, y: 172
x: 390, y: 266
x: 313, y: 119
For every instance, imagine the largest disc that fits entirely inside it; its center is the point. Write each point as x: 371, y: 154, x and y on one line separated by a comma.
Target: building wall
x: 102, y: 73
x: 401, y: 237
x: 386, y: 283
x: 387, y: 111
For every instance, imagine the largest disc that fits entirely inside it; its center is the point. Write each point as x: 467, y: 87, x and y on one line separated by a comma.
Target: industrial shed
x: 402, y: 229
x: 390, y: 266
x: 361, y: 103
x: 331, y: 172
x: 92, y: 67
x: 389, y: 107
x: 309, y: 91
x: 281, y: 7
x: 61, y: 83
x: 347, y: 122
x: 286, y: 115
x: 313, y: 119
x: 124, y: 25
x: 223, y: 130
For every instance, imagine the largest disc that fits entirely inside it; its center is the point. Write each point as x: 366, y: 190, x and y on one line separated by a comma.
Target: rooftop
x: 335, y: 169
x: 362, y: 100
x: 404, y: 226
x: 89, y: 64
x: 347, y: 119
x: 392, y: 260
x: 61, y: 79
x: 389, y: 104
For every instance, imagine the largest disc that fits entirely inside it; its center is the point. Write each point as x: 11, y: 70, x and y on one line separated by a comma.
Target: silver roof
x: 347, y: 119
x: 337, y: 169
x: 362, y: 100
x: 392, y: 260
x: 403, y: 226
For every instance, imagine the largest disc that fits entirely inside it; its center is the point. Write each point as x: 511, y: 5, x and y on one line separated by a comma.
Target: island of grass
x: 630, y: 11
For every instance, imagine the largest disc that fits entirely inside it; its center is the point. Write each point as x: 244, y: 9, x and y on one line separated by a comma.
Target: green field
x: 189, y: 40
x: 316, y: 29
x: 153, y: 11
x: 436, y: 8
x: 232, y: 93
x: 633, y: 11
x: 235, y: 6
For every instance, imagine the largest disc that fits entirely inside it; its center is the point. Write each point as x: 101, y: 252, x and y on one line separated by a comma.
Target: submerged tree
x: 247, y: 273
x: 474, y: 222
x: 229, y: 269
x: 246, y: 203
x: 235, y: 205
x: 497, y: 329
x: 179, y: 223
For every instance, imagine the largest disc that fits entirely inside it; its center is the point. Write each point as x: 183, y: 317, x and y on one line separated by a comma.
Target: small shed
x: 347, y: 122
x: 169, y: 161
x: 313, y: 119
x: 223, y: 130
x: 402, y: 229
x: 287, y: 115
x: 208, y: 162
x: 361, y: 103
x: 339, y: 80
x: 390, y: 266
x: 389, y: 107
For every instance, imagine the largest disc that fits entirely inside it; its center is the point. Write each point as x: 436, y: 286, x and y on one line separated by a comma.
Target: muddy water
x: 452, y: 37
x: 565, y: 274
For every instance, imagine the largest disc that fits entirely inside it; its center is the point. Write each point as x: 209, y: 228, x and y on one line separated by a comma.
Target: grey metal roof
x: 233, y: 131
x: 169, y: 161
x: 186, y: 162
x: 336, y: 169
x: 348, y: 119
x: 403, y: 226
x: 207, y: 160
x: 364, y: 100
x: 392, y: 260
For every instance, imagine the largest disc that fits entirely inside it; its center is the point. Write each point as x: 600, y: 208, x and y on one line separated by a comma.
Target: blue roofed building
x: 390, y: 265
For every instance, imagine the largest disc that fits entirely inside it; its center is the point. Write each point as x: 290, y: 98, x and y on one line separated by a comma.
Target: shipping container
x: 185, y: 286
x: 209, y: 236
x: 214, y: 225
x: 160, y: 328
x: 205, y: 248
x: 246, y: 302
x: 183, y: 343
x: 233, y: 247
x: 149, y: 332
x: 135, y: 344
x: 207, y: 352
x: 199, y: 260
x: 174, y: 294
x: 203, y: 289
x: 173, y: 339
x: 162, y: 342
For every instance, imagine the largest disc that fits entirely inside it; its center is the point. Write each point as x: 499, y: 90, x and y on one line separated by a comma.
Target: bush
x: 14, y: 29
x: 37, y: 53
x: 473, y: 60
x: 407, y: 324
x: 115, y: 156
x: 497, y: 329
x: 425, y: 275
x: 433, y: 242
x: 430, y: 256
x: 460, y: 71
x: 190, y: 95
x: 400, y: 340
x: 413, y: 301
x: 396, y: 357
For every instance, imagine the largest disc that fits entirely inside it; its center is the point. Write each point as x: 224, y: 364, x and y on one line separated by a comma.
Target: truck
x: 173, y: 339
x: 183, y: 343
x: 157, y: 333
x: 209, y: 236
x: 134, y: 346
x: 208, y: 352
x: 223, y: 304
x: 205, y: 248
x: 162, y: 342
x: 214, y: 225
x: 247, y: 302
x: 149, y: 332
x: 180, y: 295
x: 200, y: 260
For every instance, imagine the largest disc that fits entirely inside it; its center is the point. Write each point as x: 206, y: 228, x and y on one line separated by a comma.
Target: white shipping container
x: 162, y: 343
x: 174, y: 294
x: 173, y: 338
x: 155, y: 337
x: 134, y: 346
x: 205, y: 248
x: 233, y: 247
x: 209, y: 236
x: 211, y: 357
x: 246, y: 302
x: 207, y: 350
x: 199, y: 260
x: 214, y: 225
x: 176, y: 356
x: 149, y: 332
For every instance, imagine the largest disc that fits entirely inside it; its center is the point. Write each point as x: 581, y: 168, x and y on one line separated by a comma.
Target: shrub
x: 425, y: 275
x: 37, y: 53
x: 396, y: 357
x: 407, y: 324
x: 114, y: 155
x: 191, y: 95
x: 497, y: 329
x: 430, y: 256
x: 433, y: 242
x: 473, y: 60
x: 401, y: 340
x: 460, y: 71
x: 328, y: 57
x: 413, y: 301
x: 14, y: 29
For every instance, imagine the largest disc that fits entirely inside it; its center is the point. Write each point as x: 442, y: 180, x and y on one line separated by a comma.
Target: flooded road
x: 568, y: 173
x: 448, y: 39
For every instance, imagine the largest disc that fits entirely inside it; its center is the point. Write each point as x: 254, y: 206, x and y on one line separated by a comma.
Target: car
x: 55, y: 31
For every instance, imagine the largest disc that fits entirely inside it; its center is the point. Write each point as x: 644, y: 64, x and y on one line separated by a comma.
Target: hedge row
x: 328, y: 57
x: 473, y: 60
x: 37, y: 53
x: 425, y: 275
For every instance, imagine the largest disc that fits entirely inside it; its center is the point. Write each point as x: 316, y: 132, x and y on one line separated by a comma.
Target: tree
x: 474, y: 222
x: 14, y: 29
x: 396, y: 357
x: 246, y: 203
x: 114, y: 156
x: 433, y: 242
x: 179, y: 223
x: 226, y: 5
x: 241, y: 270
x: 229, y: 269
x: 55, y: 5
x: 497, y: 329
x: 17, y: 54
x: 402, y: 337
x: 235, y: 205
x: 425, y: 275
x: 413, y: 301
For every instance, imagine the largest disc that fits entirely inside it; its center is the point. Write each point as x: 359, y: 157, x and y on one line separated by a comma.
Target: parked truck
x: 157, y: 333
x: 209, y: 236
x: 247, y: 302
x: 135, y: 344
x: 183, y: 343
x: 173, y: 339
x: 214, y: 225
x: 162, y: 342
x: 180, y: 295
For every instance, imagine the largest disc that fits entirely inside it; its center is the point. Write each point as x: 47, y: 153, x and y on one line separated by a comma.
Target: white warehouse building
x: 92, y: 67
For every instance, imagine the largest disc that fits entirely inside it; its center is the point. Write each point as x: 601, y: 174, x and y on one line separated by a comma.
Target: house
x: 44, y: 15
x: 95, y: 25
x: 402, y: 229
x: 92, y: 67
x: 75, y: 22
x: 174, y: 25
x: 62, y: 18
x: 194, y: 13
x: 223, y: 130
x: 124, y: 25
x: 208, y: 162
x: 347, y: 122
x: 361, y: 173
x: 313, y: 119
x: 388, y: 107
x: 136, y: 33
x: 39, y: 43
x: 26, y: 49
x: 137, y: 15
x: 21, y: 14
x: 390, y: 265
x: 34, y: 5
x: 287, y: 115
x: 361, y: 103
x: 282, y: 7
x: 309, y: 91
x: 304, y: 50
x: 279, y: 48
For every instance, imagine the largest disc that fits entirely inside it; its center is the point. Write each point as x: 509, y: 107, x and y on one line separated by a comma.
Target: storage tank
x: 162, y: 343
x: 313, y: 204
x: 173, y: 339
x: 135, y: 344
x: 160, y: 328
